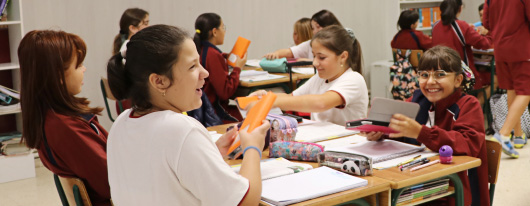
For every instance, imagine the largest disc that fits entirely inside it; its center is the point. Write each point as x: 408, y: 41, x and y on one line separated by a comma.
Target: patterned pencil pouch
x: 283, y: 128
x: 299, y: 151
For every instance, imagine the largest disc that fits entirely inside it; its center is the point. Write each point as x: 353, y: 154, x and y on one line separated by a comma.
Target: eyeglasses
x: 437, y: 75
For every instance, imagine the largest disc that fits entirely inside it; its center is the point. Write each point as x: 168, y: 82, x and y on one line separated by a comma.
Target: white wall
x: 268, y: 24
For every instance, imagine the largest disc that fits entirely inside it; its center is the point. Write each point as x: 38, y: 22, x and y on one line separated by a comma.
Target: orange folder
x: 426, y: 13
x: 242, y: 102
x: 240, y: 48
x: 255, y: 116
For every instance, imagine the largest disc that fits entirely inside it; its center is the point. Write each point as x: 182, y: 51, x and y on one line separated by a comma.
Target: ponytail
x: 117, y: 76
x: 118, y: 41
x: 203, y: 25
x: 356, y: 57
x: 449, y: 9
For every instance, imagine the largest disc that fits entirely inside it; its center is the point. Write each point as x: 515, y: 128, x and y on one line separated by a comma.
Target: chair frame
x: 78, y: 193
x: 107, y: 94
x: 494, y: 150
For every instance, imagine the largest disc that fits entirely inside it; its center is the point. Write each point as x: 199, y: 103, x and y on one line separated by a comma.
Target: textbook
x: 379, y: 151
x: 298, y: 187
x: 276, y: 167
x: 255, y: 116
x: 240, y: 48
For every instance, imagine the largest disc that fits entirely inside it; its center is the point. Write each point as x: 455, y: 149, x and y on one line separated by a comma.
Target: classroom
x: 269, y: 27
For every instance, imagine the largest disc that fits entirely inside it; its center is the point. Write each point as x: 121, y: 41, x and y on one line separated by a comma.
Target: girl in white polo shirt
x: 155, y: 154
x: 338, y: 93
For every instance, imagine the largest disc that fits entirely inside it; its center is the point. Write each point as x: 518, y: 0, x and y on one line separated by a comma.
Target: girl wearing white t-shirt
x: 155, y: 154
x: 338, y: 93
x: 132, y: 20
x: 319, y: 20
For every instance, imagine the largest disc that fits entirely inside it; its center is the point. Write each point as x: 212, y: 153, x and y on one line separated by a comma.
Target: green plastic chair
x: 107, y: 94
x: 71, y: 190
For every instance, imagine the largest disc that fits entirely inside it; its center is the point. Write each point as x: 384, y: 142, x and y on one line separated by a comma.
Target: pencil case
x: 275, y: 65
x: 283, y: 128
x: 350, y: 163
x: 299, y: 151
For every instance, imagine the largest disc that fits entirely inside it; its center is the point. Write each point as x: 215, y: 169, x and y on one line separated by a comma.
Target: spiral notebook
x: 379, y: 150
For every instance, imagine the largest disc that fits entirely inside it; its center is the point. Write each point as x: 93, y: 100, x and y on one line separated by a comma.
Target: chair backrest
x: 107, y: 94
x: 494, y: 158
x: 414, y: 58
x: 73, y: 191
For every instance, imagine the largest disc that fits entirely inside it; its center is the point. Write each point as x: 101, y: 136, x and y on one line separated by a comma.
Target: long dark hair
x: 407, y: 18
x: 154, y: 49
x: 325, y: 18
x: 44, y: 56
x: 449, y: 9
x: 132, y: 16
x: 203, y: 25
x: 338, y: 40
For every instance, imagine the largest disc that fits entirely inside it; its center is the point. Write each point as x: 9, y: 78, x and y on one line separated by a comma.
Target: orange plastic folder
x: 242, y: 102
x: 240, y: 48
x: 255, y: 116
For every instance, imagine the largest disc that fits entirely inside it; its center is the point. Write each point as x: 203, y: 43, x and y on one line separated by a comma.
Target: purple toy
x: 446, y: 154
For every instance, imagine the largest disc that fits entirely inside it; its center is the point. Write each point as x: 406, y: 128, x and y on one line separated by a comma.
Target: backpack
x: 403, y: 76
x: 499, y: 111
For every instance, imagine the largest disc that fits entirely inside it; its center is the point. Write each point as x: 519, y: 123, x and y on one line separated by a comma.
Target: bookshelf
x: 10, y: 119
x: 418, y: 4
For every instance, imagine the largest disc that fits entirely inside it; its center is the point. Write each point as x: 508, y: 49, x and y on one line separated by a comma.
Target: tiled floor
x: 512, y: 186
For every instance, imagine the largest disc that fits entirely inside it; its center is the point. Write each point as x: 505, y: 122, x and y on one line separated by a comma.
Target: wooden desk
x: 401, y: 180
x: 275, y: 82
x: 376, y: 185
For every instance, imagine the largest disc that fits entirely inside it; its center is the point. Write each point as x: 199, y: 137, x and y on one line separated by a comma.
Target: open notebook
x: 307, y: 185
x: 379, y: 150
x: 320, y: 131
x: 275, y: 167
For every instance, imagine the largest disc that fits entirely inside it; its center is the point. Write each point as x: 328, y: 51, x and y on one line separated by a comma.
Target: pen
x: 410, y: 160
x: 413, y: 163
x: 424, y: 165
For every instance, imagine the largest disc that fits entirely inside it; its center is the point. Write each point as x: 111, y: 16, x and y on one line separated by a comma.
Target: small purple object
x: 446, y: 154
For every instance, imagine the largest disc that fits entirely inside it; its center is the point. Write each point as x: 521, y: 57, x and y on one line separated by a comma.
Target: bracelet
x: 252, y: 147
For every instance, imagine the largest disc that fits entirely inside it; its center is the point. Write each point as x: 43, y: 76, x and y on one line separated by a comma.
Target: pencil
x: 424, y: 165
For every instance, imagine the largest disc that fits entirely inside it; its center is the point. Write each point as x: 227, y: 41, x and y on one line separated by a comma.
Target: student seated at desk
x: 158, y: 156
x: 446, y: 117
x: 408, y: 37
x: 302, y: 31
x: 319, y: 20
x: 338, y: 93
x: 62, y: 127
x: 220, y: 85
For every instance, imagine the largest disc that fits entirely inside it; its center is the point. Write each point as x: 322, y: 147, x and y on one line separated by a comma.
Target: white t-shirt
x: 166, y: 158
x: 350, y: 86
x: 303, y: 50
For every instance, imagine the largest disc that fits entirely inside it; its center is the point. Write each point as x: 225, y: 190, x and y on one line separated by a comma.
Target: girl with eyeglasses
x: 447, y: 116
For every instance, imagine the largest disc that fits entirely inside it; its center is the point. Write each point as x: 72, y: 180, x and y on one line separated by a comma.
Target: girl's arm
x: 476, y: 40
x: 309, y: 102
x: 279, y: 54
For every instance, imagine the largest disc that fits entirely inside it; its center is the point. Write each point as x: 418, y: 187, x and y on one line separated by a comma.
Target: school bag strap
x: 415, y: 37
x: 458, y: 33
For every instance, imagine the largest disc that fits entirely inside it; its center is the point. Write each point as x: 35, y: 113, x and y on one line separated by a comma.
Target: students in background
x: 61, y: 126
x: 447, y: 117
x: 132, y: 20
x: 338, y: 93
x: 447, y: 32
x: 509, y: 24
x: 221, y: 85
x: 319, y: 20
x: 302, y: 31
x: 478, y: 25
x: 408, y: 37
x: 158, y: 156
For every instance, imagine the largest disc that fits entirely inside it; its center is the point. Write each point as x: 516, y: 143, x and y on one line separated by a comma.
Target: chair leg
x: 60, y: 190
x: 492, y: 192
x: 77, y: 196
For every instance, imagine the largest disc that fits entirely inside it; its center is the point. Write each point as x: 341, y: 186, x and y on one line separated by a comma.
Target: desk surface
x: 296, y: 77
x: 406, y: 178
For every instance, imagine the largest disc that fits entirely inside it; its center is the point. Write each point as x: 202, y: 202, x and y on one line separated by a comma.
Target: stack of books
x: 422, y: 192
x: 10, y: 144
x: 9, y: 100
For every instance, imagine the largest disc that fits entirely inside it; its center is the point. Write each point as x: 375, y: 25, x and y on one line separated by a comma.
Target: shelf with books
x: 450, y: 191
x: 419, y: 4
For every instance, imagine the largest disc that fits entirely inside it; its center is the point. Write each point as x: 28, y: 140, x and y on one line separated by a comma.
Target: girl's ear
x: 458, y: 80
x: 344, y: 57
x: 132, y: 30
x: 159, y: 82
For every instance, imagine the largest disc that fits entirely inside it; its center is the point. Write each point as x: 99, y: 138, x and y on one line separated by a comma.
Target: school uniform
x: 445, y: 35
x: 459, y: 123
x: 78, y: 149
x: 302, y: 50
x: 411, y: 39
x: 220, y: 84
x: 508, y: 23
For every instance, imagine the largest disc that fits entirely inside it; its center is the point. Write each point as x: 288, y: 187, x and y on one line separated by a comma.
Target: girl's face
x: 74, y: 77
x: 188, y: 79
x: 219, y: 34
x: 315, y: 27
x: 295, y: 37
x: 142, y: 25
x: 415, y: 25
x: 438, y: 84
x: 327, y: 63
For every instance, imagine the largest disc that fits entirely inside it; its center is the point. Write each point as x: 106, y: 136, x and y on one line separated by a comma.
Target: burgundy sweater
x: 404, y: 40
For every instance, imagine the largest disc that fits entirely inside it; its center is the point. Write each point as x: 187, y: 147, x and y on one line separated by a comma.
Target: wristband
x: 252, y: 147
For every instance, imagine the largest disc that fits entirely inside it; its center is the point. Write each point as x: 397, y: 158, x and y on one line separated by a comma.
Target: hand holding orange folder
x: 240, y: 48
x: 243, y: 102
x: 255, y: 116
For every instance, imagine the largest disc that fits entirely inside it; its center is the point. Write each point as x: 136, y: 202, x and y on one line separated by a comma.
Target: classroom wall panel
x: 268, y: 24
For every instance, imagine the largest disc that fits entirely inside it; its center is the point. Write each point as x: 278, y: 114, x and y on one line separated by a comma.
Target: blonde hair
x: 302, y: 27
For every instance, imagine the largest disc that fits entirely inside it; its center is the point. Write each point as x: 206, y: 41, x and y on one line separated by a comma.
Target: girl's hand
x: 240, y: 62
x: 405, y: 126
x: 260, y: 93
x: 373, y: 136
x: 272, y: 55
x: 256, y: 137
x: 224, y: 142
